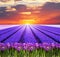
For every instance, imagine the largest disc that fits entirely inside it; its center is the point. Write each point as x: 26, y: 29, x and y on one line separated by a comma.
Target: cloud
x: 25, y: 2
x: 4, y: 0
x: 9, y: 8
x: 55, y: 20
x: 51, y: 6
x: 11, y: 12
x: 49, y: 11
x: 46, y: 14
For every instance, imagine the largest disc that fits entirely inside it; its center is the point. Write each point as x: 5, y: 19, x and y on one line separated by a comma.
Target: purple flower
x: 57, y: 45
x: 17, y: 46
x: 46, y: 46
x: 53, y: 45
x: 3, y: 46
x: 37, y: 45
x: 28, y: 46
x: 8, y: 45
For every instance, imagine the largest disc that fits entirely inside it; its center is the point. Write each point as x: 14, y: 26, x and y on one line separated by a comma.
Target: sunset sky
x: 30, y: 11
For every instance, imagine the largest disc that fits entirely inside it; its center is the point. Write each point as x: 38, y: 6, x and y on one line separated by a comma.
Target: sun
x: 28, y: 22
x: 25, y: 13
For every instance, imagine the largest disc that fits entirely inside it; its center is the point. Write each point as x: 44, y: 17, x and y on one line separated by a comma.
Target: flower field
x: 30, y: 41
x: 29, y: 28
x: 29, y: 50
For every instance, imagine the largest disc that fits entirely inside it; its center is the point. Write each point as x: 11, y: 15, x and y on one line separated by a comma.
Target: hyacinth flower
x: 17, y: 46
x: 53, y: 45
x: 8, y: 45
x: 3, y: 46
x: 57, y: 45
x: 46, y: 46
x: 28, y: 46
x: 36, y: 45
x: 30, y: 49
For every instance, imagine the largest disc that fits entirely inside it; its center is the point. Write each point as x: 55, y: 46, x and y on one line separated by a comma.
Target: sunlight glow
x: 28, y: 22
x: 26, y: 13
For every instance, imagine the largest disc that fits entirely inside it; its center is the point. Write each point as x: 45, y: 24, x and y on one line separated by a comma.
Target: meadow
x: 29, y: 50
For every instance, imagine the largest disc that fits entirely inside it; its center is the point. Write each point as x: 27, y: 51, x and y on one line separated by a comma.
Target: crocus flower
x: 57, y: 45
x: 37, y: 45
x: 28, y: 46
x: 8, y: 45
x: 53, y: 45
x: 17, y: 46
x: 46, y: 46
x: 3, y: 46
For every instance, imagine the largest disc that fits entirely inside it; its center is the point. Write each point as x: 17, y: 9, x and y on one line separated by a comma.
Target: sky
x: 13, y: 2
x: 30, y: 11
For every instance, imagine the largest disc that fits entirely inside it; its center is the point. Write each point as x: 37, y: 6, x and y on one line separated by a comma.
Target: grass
x: 34, y: 53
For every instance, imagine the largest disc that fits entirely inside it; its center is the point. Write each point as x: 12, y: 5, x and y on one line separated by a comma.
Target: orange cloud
x: 9, y: 8
x: 25, y: 13
x: 42, y: 15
